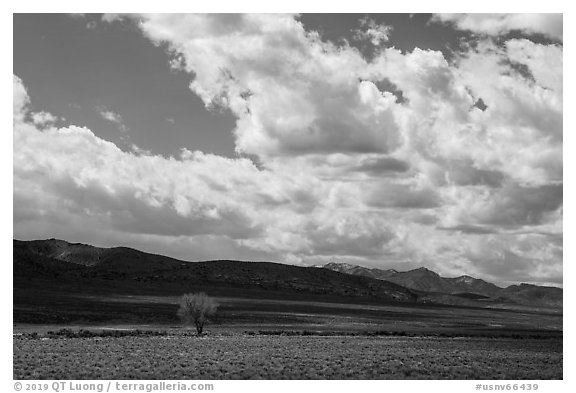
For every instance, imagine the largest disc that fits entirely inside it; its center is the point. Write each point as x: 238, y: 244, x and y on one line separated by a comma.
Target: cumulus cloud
x: 387, y: 194
x: 373, y: 32
x: 511, y: 206
x: 347, y: 170
x: 20, y: 99
x: 139, y: 194
x: 543, y: 61
x: 511, y: 259
x: 519, y: 133
x: 112, y: 117
x: 495, y: 24
x: 70, y: 175
x: 283, y: 83
x: 43, y: 118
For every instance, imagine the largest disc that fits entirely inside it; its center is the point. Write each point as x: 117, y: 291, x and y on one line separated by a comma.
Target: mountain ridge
x: 59, y: 261
x: 56, y: 259
x: 426, y: 280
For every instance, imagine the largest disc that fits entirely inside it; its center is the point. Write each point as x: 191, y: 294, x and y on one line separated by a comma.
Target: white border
x: 308, y: 6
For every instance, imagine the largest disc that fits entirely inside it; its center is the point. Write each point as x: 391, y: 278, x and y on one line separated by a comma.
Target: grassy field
x: 274, y: 338
x: 57, y: 310
x: 245, y: 356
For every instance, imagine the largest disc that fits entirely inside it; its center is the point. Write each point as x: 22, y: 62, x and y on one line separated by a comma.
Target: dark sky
x: 74, y: 71
x: 408, y: 30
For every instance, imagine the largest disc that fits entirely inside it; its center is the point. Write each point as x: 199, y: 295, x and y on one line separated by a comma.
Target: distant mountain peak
x: 56, y: 241
x: 424, y: 279
x: 425, y: 270
x: 465, y: 279
x: 341, y: 264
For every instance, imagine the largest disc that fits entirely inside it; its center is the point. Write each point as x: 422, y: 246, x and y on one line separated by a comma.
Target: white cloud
x: 495, y: 24
x: 519, y: 134
x: 371, y: 31
x: 112, y: 117
x: 523, y: 122
x: 91, y: 182
x: 20, y: 99
x: 543, y: 61
x: 43, y: 118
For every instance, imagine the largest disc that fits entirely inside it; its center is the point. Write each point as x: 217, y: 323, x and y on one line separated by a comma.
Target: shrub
x: 195, y: 308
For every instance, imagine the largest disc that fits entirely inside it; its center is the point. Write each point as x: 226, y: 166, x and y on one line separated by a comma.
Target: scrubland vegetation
x: 257, y: 355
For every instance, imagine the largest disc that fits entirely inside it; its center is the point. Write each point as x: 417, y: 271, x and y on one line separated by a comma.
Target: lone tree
x: 195, y: 308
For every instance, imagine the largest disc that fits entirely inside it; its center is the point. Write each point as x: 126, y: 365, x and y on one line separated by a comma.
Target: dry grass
x: 289, y: 357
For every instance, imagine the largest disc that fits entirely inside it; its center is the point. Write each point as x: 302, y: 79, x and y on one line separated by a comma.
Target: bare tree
x: 195, y: 308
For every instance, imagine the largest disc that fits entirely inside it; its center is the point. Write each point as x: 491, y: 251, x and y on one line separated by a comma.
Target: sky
x: 383, y: 140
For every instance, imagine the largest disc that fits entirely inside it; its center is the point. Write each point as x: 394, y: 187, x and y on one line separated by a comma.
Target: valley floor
x: 255, y: 356
x: 277, y: 336
x: 60, y: 310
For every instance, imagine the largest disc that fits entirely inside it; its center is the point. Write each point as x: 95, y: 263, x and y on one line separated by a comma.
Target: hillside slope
x: 59, y: 261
